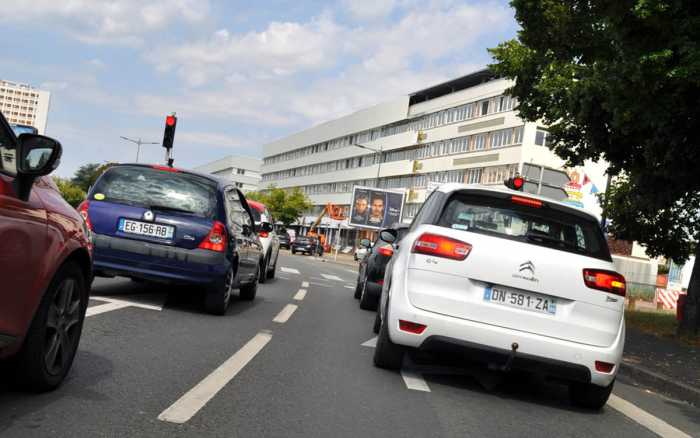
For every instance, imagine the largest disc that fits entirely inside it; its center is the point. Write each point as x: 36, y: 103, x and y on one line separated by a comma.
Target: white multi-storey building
x: 465, y: 130
x: 244, y: 172
x: 23, y: 104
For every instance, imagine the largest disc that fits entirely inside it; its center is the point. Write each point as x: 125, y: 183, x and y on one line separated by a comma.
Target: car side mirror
x: 265, y: 227
x: 38, y: 155
x: 389, y: 235
x: 365, y: 243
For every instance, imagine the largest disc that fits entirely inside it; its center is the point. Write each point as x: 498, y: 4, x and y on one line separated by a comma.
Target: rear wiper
x: 166, y: 208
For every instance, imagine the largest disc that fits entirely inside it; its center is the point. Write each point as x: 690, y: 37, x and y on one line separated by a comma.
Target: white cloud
x: 105, y: 21
x: 369, y: 9
x: 279, y: 50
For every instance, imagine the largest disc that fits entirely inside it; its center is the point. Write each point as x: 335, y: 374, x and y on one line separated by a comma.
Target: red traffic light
x: 170, y: 120
x: 518, y: 182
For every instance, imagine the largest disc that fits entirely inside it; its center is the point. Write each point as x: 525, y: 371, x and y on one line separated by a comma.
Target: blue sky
x: 239, y: 74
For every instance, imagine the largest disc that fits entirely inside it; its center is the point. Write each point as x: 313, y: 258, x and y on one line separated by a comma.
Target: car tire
x: 377, y: 323
x: 589, y: 396
x: 387, y: 354
x: 218, y: 297
x: 249, y: 290
x: 68, y: 295
x: 358, y: 290
x: 272, y: 271
x: 262, y: 273
x: 294, y: 252
x: 366, y: 301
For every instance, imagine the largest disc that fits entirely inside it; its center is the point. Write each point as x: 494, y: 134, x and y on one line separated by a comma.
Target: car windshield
x: 538, y: 226
x: 153, y: 188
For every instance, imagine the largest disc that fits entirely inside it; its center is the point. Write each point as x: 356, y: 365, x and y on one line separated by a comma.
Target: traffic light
x: 515, y: 183
x: 169, y: 135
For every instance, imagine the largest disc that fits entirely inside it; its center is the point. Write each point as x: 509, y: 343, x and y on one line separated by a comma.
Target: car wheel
x: 366, y: 301
x: 358, y: 290
x: 248, y: 291
x: 354, y: 256
x: 387, y: 354
x: 589, y: 396
x: 294, y: 252
x: 377, y: 323
x: 262, y: 273
x: 271, y: 272
x: 218, y: 297
x: 53, y: 337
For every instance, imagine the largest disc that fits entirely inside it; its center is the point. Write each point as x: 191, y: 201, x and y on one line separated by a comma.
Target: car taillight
x: 608, y: 281
x: 380, y: 282
x: 386, y: 250
x: 411, y: 327
x: 263, y: 234
x: 216, y: 239
x: 83, y: 210
x: 441, y: 246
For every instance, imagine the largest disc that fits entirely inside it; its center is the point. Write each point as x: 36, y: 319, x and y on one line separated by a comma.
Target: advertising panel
x: 375, y: 209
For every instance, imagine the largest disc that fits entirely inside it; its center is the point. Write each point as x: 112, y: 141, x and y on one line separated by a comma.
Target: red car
x: 45, y: 263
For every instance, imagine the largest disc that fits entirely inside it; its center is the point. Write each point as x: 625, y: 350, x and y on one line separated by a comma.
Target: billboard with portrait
x: 374, y: 208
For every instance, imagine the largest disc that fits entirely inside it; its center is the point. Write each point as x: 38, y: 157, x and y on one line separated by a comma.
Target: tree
x: 73, y: 194
x: 87, y: 174
x: 285, y: 206
x: 620, y: 81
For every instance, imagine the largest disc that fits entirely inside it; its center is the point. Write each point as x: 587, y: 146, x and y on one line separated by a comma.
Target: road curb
x: 660, y: 383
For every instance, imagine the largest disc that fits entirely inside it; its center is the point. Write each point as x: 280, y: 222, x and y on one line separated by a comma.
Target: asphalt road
x: 151, y: 363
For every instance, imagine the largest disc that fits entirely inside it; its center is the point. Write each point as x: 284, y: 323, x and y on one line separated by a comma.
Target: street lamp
x: 138, y: 143
x: 376, y: 151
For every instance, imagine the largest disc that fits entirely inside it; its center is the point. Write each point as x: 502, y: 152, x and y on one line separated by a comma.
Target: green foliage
x: 619, y: 80
x: 73, y: 194
x: 285, y: 206
x: 87, y: 174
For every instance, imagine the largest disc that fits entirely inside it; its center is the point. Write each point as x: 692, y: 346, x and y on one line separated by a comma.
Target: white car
x: 513, y: 280
x: 268, y: 237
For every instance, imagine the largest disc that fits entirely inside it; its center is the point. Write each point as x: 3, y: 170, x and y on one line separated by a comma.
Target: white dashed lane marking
x: 304, y: 284
x: 349, y: 287
x: 371, y: 343
x: 196, y: 398
x: 654, y: 424
x: 332, y: 277
x: 289, y: 270
x: 300, y: 295
x: 285, y: 314
x: 116, y: 304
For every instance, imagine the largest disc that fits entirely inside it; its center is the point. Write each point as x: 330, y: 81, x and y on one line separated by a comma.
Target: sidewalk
x: 665, y: 365
x: 343, y: 259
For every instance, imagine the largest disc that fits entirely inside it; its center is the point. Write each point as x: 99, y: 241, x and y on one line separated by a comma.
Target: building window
x: 484, y: 107
x: 541, y: 138
x: 473, y: 176
x: 239, y: 185
x: 480, y: 142
x: 240, y: 171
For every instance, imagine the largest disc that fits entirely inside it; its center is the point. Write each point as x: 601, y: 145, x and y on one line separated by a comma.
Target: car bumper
x: 131, y: 258
x: 491, y: 344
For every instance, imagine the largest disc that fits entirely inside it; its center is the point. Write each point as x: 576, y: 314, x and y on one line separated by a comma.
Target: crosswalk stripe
x: 332, y: 277
x: 289, y: 270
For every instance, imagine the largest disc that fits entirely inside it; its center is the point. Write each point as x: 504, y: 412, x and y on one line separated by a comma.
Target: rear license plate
x: 520, y: 299
x: 146, y: 229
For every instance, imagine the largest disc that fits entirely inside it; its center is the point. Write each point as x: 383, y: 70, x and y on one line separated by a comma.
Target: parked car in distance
x: 513, y: 280
x: 308, y: 245
x: 45, y: 263
x: 168, y: 225
x: 285, y: 240
x: 264, y: 222
x: 370, y: 274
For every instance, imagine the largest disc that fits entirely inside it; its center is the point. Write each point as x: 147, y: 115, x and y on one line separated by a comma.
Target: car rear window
x: 543, y: 226
x: 153, y: 188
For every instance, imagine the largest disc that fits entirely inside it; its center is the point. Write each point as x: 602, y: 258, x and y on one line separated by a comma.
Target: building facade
x: 23, y: 104
x: 465, y: 130
x: 244, y: 172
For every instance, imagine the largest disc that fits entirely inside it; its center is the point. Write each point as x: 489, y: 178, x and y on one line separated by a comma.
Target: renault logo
x: 527, y: 266
x: 148, y: 215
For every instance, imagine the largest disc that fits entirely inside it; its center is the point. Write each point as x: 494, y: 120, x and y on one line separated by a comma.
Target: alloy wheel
x: 62, y: 327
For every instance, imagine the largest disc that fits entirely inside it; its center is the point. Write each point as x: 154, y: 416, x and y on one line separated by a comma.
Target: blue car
x: 168, y: 225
